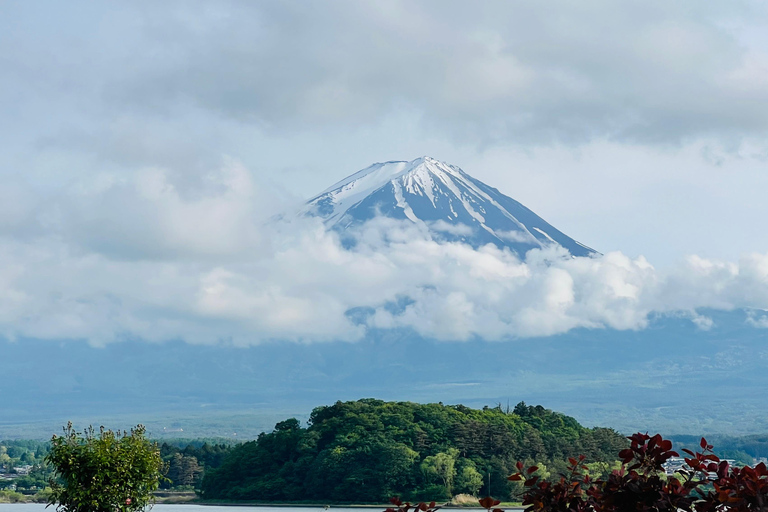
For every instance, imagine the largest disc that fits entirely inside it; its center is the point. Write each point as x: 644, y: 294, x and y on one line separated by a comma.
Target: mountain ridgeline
x: 369, y: 450
x: 447, y: 202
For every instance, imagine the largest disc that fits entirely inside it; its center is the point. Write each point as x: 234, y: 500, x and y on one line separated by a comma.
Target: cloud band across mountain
x: 398, y: 278
x: 206, y: 268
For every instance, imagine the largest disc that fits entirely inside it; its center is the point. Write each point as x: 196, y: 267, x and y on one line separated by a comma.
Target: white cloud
x: 516, y: 236
x: 204, y: 263
x: 152, y: 213
x: 453, y: 229
x: 758, y: 319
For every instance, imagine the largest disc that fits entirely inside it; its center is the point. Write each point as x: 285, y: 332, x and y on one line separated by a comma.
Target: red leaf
x: 703, y: 443
x: 533, y: 469
x: 488, y: 502
x: 515, y: 477
x: 531, y: 481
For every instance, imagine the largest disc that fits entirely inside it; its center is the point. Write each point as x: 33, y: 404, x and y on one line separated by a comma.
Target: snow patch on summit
x: 438, y: 195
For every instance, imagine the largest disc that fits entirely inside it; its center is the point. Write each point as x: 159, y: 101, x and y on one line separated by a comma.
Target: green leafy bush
x: 11, y: 497
x: 103, y: 471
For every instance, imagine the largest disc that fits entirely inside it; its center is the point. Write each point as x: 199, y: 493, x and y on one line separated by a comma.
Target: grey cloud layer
x: 208, y: 267
x: 522, y: 72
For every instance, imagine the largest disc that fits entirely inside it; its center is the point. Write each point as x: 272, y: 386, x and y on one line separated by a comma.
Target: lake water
x: 40, y: 507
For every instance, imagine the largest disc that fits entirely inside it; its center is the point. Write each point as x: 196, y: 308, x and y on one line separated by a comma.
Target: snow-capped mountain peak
x: 454, y: 205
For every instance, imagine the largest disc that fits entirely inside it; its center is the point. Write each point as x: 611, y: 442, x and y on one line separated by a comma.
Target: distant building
x: 676, y: 464
x: 23, y: 470
x: 673, y: 465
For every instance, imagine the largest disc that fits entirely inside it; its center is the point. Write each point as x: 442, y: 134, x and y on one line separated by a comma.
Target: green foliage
x: 103, y: 471
x: 443, y: 466
x: 184, y: 470
x: 468, y: 479
x: 187, y: 461
x: 368, y: 450
x: 11, y: 497
x: 18, y: 453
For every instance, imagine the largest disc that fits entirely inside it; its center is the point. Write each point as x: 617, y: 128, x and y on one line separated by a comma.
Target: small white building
x: 23, y: 470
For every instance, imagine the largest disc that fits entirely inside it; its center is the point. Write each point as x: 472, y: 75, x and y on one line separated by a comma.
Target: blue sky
x: 144, y: 146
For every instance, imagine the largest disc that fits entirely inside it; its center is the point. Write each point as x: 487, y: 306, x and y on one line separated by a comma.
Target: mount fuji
x: 450, y: 203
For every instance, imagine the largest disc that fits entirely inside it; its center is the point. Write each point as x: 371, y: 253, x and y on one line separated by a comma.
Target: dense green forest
x: 369, y: 450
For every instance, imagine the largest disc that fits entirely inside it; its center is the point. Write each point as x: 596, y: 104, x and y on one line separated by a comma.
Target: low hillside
x: 369, y: 450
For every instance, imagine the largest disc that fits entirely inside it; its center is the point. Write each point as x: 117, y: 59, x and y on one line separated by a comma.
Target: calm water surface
x: 40, y: 507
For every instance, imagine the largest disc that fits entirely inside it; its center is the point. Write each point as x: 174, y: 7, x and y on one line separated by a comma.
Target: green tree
x: 184, y: 470
x: 468, y: 478
x: 103, y: 471
x: 443, y: 465
x: 5, y: 459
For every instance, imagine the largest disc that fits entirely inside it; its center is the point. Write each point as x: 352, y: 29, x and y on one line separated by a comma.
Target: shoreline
x: 383, y: 506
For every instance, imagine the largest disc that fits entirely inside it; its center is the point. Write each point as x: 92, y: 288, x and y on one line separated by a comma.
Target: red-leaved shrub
x: 705, y: 484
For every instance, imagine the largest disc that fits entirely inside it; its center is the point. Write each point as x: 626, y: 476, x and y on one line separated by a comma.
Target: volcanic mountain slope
x: 453, y: 205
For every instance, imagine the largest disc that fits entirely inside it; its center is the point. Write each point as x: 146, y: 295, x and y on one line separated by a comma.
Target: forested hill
x: 369, y: 450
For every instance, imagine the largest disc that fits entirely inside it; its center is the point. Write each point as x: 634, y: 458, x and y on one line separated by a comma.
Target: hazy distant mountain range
x: 450, y: 203
x: 669, y: 377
